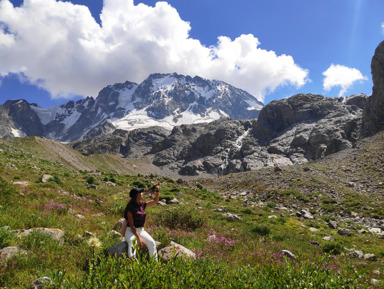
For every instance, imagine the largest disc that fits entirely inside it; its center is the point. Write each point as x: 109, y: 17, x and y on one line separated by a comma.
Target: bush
x: 260, y: 230
x: 271, y: 205
x: 176, y: 218
x: 333, y: 248
x: 91, y: 180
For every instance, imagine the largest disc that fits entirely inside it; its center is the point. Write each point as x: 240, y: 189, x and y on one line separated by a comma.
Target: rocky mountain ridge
x: 162, y: 100
x: 296, y: 130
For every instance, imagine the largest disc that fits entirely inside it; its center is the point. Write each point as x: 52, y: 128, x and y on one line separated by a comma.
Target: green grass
x: 239, y: 254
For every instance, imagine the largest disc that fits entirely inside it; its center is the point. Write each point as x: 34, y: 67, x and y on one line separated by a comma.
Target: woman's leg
x: 149, y: 242
x: 129, y: 236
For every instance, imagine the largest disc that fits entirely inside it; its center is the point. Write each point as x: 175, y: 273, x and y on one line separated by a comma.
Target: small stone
x: 272, y: 216
x: 289, y: 254
x: 45, y: 178
x: 88, y: 234
x: 110, y: 184
x: 118, y: 224
x: 328, y: 238
x: 344, y: 232
x: 80, y: 217
x: 370, y: 257
x: 174, y: 201
x: 160, y: 203
x: 313, y: 230
x: 307, y: 215
x: 374, y: 281
x: 21, y: 183
x: 356, y: 254
x: 41, y: 283
x: 332, y: 224
x: 99, y: 215
x: 375, y: 230
x: 114, y: 234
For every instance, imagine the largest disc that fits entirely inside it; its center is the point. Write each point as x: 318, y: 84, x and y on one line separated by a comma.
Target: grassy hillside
x: 242, y: 251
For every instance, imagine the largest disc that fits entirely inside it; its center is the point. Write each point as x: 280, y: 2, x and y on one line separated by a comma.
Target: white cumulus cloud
x: 340, y: 75
x: 382, y: 26
x: 60, y: 47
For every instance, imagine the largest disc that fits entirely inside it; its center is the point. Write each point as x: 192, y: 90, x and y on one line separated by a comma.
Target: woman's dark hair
x: 133, y: 193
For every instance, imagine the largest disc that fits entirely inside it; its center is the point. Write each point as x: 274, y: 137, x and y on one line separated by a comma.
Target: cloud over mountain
x: 60, y: 47
x: 340, y: 75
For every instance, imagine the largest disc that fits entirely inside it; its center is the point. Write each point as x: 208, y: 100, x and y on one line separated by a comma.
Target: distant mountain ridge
x: 164, y: 100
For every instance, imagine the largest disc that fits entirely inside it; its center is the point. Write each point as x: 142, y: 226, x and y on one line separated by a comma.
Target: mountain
x: 164, y: 100
x: 296, y: 130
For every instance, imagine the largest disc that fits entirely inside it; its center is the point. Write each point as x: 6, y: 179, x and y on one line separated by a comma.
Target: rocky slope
x: 347, y: 186
x: 162, y: 100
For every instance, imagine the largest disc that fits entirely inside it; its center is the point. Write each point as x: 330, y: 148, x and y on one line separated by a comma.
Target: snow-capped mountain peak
x: 165, y: 100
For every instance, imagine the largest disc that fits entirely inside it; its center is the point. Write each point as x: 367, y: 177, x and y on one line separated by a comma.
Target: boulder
x: 119, y: 249
x: 176, y: 250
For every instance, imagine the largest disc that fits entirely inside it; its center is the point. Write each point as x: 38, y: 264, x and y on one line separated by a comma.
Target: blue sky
x: 53, y: 51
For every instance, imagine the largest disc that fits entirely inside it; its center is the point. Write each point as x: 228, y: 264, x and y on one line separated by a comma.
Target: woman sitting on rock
x: 134, y: 214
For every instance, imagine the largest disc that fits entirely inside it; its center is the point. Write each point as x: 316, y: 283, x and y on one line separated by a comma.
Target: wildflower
x: 94, y: 242
x: 5, y: 265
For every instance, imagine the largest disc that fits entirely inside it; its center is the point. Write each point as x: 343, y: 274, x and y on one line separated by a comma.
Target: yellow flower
x: 94, y: 242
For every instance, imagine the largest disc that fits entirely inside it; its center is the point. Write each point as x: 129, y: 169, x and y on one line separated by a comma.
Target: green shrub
x: 333, y: 248
x: 91, y: 180
x: 56, y: 179
x: 260, y: 230
x: 142, y: 184
x: 271, y: 205
x: 181, y: 218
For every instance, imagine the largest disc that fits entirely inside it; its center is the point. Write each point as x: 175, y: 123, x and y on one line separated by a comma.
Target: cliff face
x: 373, y: 117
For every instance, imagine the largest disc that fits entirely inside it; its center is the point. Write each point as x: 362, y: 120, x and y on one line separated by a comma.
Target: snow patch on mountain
x: 46, y: 115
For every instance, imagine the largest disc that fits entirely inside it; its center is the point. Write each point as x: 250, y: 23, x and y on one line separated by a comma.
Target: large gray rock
x: 119, y: 250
